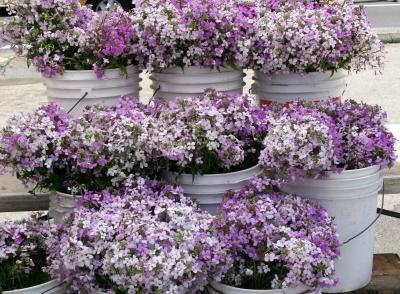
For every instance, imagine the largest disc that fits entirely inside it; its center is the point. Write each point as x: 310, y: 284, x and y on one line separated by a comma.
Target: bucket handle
x: 47, y: 291
x: 79, y: 101
x: 372, y: 223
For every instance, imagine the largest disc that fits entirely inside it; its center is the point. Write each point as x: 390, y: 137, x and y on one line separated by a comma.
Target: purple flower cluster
x: 50, y: 33
x: 95, y: 151
x: 23, y: 253
x: 192, y: 33
x: 213, y: 133
x: 113, y: 40
x: 107, y: 144
x: 308, y: 139
x: 308, y: 37
x: 294, y: 36
x: 63, y: 35
x: 277, y: 240
x: 30, y: 144
x: 143, y: 240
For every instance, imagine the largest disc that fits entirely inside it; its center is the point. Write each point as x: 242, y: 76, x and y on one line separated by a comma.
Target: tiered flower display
x: 129, y: 232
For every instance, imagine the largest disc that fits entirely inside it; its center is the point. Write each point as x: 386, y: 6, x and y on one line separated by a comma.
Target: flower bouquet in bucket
x: 23, y: 257
x: 77, y: 51
x: 211, y: 144
x: 70, y: 156
x: 191, y: 46
x: 334, y: 153
x: 302, y: 49
x: 279, y: 242
x: 148, y: 238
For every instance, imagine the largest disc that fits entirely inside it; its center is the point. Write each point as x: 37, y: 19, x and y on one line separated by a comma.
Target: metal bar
x: 388, y: 213
x: 10, y: 202
x: 392, y: 184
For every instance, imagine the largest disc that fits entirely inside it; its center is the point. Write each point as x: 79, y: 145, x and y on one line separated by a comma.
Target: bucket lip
x: 129, y: 68
x: 338, y: 73
x: 257, y: 166
x: 183, y: 95
x: 159, y: 78
x: 199, y: 85
x: 68, y: 195
x: 342, y: 197
x: 375, y: 166
x: 69, y: 75
x: 352, y: 174
x: 224, y: 286
x: 298, y: 184
x: 49, y: 283
x: 193, y: 69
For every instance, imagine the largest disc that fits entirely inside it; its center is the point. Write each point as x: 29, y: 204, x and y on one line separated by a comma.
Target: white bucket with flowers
x: 85, y: 58
x: 24, y: 259
x: 293, y: 58
x: 189, y: 52
x: 351, y: 198
x: 163, y: 231
x: 334, y: 153
x: 193, y: 81
x: 210, y: 143
x: 71, y: 156
x: 270, y: 238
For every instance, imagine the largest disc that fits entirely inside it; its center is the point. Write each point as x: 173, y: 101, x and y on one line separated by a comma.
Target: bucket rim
x: 221, y: 175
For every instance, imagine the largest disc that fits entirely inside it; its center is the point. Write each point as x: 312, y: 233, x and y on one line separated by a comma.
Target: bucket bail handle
x: 372, y: 223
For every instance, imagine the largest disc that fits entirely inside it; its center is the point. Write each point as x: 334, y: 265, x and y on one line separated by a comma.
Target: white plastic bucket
x: 193, y: 81
x: 218, y: 288
x: 283, y: 88
x: 51, y: 287
x: 61, y: 205
x: 68, y: 88
x: 208, y: 190
x: 351, y: 198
